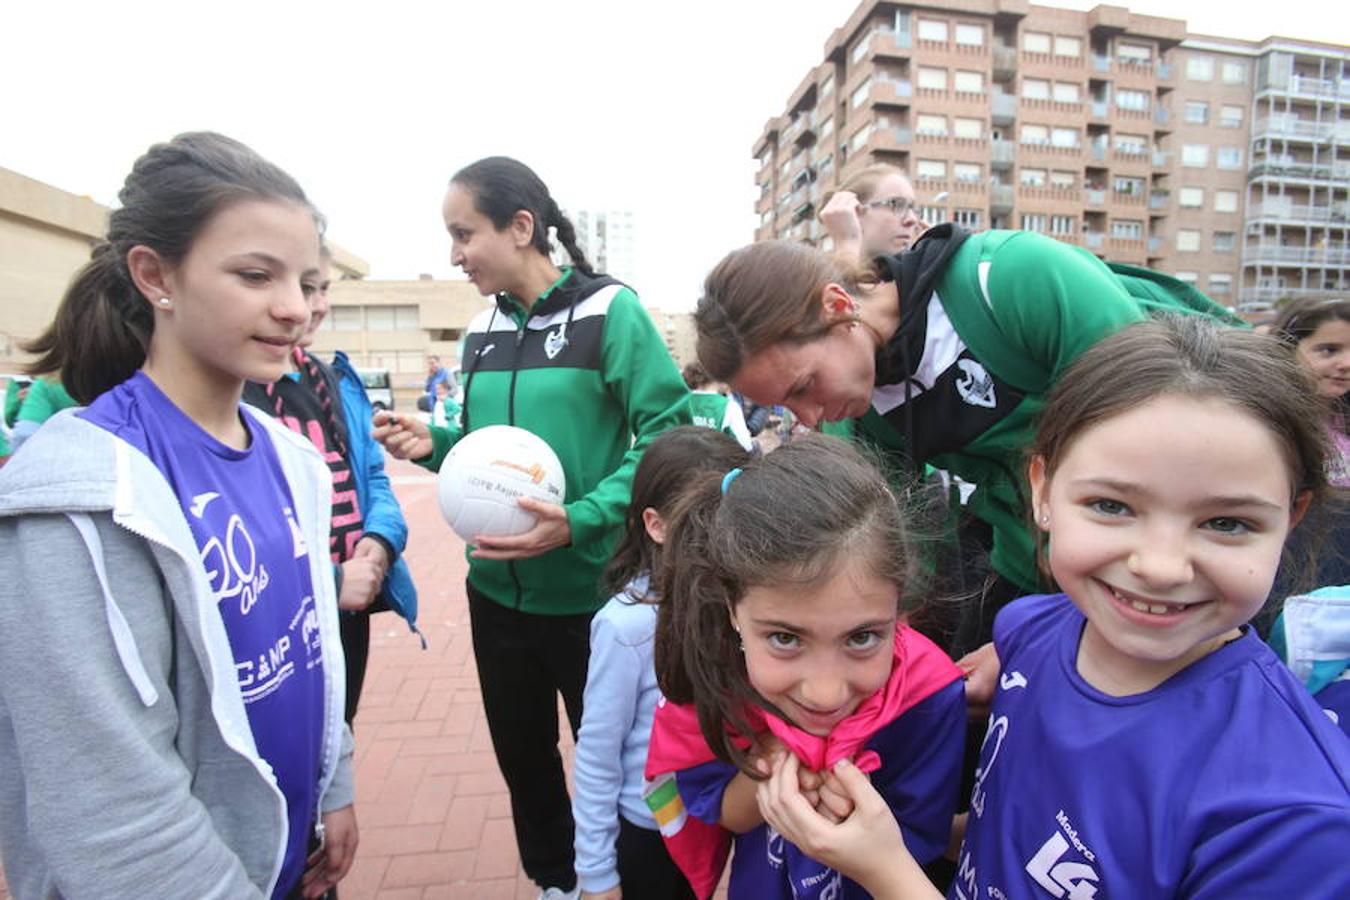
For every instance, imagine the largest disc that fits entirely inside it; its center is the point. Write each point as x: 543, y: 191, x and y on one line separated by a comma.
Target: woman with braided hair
x: 571, y: 356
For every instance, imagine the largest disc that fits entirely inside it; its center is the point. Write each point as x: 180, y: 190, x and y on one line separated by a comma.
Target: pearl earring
x: 163, y: 301
x: 1045, y: 519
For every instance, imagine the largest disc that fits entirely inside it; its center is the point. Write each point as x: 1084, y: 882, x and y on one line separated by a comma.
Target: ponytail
x: 567, y: 236
x: 101, y: 330
x: 104, y: 324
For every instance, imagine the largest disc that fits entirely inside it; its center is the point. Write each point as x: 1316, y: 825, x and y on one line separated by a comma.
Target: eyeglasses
x: 901, y: 206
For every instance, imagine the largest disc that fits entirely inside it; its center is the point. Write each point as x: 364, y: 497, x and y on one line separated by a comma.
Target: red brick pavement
x: 432, y: 808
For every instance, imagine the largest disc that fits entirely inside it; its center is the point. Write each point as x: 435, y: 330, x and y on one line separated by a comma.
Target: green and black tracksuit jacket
x: 584, y: 369
x: 946, y: 393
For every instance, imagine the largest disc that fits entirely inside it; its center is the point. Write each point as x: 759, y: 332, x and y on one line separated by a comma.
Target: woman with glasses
x: 873, y: 213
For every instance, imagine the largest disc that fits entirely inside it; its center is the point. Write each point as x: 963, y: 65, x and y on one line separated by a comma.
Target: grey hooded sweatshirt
x: 127, y: 764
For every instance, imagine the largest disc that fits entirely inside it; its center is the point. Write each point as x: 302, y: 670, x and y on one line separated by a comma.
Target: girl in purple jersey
x: 1143, y: 741
x: 171, y: 677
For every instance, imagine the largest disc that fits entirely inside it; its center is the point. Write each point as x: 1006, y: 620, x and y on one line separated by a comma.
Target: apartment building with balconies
x: 1297, y: 236
x: 1108, y: 129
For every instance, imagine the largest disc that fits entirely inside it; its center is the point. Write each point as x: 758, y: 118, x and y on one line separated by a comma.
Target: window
x: 1064, y: 137
x: 1225, y: 201
x: 1200, y: 68
x: 1220, y: 284
x: 1191, y: 197
x: 1137, y: 100
x: 1035, y: 134
x: 1230, y: 157
x: 1188, y: 240
x: 931, y: 215
x: 1188, y: 278
x: 1033, y: 222
x: 825, y: 127
x: 930, y: 168
x: 827, y: 85
x: 1063, y: 225
x: 825, y: 166
x: 1195, y: 155
x: 935, y: 125
x: 1066, y: 92
x: 967, y: 172
x: 968, y: 128
x: 932, y: 78
x: 860, y: 49
x: 1035, y: 42
x: 1197, y: 112
x: 1224, y: 241
x: 967, y: 218
x: 970, y: 35
x: 1033, y: 177
x: 1136, y: 144
x: 1230, y: 116
x: 860, y: 137
x: 1035, y: 89
x: 932, y: 30
x: 1135, y: 53
x: 969, y: 82
x: 1131, y: 186
x: 860, y: 94
x: 1128, y: 229
x: 783, y: 169
x: 1061, y: 179
x: 1234, y: 72
x: 1068, y: 46
x: 347, y: 318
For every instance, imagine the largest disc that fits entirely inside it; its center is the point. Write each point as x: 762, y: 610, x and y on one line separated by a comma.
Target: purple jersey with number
x: 242, y: 516
x: 919, y: 776
x: 1224, y: 781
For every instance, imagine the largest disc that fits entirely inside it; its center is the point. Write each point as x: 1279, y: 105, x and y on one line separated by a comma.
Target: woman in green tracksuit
x: 571, y: 356
x: 941, y: 353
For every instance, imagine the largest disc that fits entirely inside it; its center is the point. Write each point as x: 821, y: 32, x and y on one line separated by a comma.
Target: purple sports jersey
x: 239, y: 507
x: 1224, y: 781
x: 919, y: 776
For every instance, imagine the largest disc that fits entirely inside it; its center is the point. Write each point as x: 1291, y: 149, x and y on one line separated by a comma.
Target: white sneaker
x: 554, y: 893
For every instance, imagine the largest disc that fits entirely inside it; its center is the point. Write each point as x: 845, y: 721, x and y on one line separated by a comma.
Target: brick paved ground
x: 433, y: 810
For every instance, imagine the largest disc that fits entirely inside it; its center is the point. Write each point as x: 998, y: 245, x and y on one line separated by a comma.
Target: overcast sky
x: 373, y: 105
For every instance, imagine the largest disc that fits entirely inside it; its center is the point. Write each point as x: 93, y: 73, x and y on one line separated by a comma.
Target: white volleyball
x: 487, y: 471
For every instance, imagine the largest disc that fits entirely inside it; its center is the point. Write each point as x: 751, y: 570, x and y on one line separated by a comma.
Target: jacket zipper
x: 511, y: 420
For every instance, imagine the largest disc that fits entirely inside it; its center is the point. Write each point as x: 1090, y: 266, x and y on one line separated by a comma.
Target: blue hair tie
x: 728, y: 478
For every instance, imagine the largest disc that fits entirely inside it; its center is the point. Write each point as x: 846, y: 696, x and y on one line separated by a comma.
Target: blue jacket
x: 379, y: 508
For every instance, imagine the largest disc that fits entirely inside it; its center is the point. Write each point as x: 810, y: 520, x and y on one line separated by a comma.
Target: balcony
x: 1093, y: 240
x: 1097, y: 150
x: 1161, y: 116
x: 1292, y: 128
x: 1161, y: 159
x: 1162, y: 70
x: 1004, y: 109
x: 1288, y: 212
x: 1329, y: 257
x: 1094, y: 197
x: 1158, y: 200
x: 1000, y: 199
x: 1101, y: 109
x: 1101, y: 63
x: 1257, y: 299
x: 1005, y: 63
x: 1155, y: 244
x: 1288, y: 168
x: 1002, y: 154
